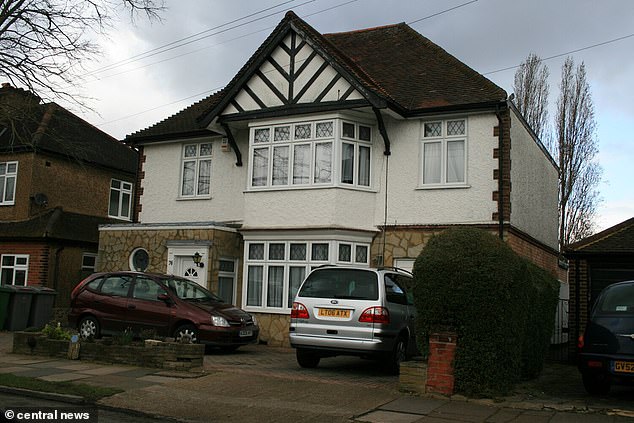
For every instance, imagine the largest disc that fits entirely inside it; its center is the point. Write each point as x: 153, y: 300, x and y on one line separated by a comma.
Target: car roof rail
x: 394, y: 268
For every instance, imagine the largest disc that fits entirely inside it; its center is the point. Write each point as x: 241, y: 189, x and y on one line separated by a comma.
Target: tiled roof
x: 56, y: 224
x: 182, y: 123
x: 51, y: 128
x: 618, y: 239
x: 414, y: 72
x: 395, y: 65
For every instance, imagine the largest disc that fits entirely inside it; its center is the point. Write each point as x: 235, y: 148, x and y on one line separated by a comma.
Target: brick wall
x: 544, y: 257
x: 38, y: 253
x: 442, y: 350
x: 578, y: 305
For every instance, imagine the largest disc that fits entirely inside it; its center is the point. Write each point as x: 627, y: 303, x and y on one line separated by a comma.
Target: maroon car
x: 109, y: 303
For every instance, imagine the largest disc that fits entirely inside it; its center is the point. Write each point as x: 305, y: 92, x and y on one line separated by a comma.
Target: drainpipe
x: 498, y: 113
x: 58, y: 253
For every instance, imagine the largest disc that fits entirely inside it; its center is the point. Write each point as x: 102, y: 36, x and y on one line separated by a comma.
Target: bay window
x: 275, y: 269
x: 444, y: 152
x: 303, y: 154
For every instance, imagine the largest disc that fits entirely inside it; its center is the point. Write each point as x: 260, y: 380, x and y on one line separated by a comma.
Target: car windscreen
x: 351, y: 284
x: 617, y: 299
x: 188, y: 290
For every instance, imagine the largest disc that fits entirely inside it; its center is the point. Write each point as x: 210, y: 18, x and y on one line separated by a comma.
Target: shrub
x: 55, y: 331
x: 469, y: 281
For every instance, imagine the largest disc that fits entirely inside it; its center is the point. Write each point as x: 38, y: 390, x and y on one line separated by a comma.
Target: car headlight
x: 255, y: 321
x: 219, y: 321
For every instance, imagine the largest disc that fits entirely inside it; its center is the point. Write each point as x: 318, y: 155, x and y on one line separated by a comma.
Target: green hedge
x: 500, y: 305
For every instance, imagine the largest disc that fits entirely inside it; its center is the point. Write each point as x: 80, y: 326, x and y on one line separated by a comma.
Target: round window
x: 139, y: 260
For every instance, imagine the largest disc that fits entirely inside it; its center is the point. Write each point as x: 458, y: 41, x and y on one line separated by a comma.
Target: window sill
x: 443, y: 186
x: 309, y: 187
x: 200, y: 197
x: 125, y: 219
x: 7, y: 204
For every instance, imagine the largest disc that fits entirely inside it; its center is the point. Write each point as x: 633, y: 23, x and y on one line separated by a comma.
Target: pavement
x: 264, y: 384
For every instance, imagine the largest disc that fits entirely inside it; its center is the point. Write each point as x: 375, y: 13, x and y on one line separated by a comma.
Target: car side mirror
x: 165, y: 297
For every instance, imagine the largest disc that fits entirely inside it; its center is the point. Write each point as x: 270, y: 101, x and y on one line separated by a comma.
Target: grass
x: 88, y: 392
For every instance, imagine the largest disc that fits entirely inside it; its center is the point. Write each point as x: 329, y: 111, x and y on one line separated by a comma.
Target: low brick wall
x: 164, y: 355
x: 37, y: 344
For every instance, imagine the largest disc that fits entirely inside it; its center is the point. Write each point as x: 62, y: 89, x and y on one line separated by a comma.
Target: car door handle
x: 131, y: 306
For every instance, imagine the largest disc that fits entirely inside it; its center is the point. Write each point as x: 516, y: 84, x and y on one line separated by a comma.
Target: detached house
x: 60, y: 178
x: 352, y: 149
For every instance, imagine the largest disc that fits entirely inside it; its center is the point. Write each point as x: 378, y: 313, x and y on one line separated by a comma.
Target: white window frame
x: 229, y: 275
x: 125, y: 188
x: 311, y: 148
x: 353, y: 253
x: 358, y: 143
x: 5, y: 177
x: 16, y: 268
x: 198, y: 159
x: 83, y: 264
x: 307, y: 264
x: 444, y: 139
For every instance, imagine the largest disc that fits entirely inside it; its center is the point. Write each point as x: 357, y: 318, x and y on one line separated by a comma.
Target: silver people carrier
x: 354, y: 311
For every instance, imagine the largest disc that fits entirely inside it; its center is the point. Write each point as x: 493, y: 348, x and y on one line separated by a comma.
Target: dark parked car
x: 606, y: 350
x: 109, y: 303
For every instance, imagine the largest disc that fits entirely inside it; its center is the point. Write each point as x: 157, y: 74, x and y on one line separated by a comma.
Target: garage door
x: 601, y: 277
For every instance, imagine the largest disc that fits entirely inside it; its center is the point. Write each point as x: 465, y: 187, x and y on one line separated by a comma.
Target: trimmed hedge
x: 501, y: 306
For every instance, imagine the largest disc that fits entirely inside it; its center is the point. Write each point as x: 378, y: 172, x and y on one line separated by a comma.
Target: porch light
x: 197, y: 257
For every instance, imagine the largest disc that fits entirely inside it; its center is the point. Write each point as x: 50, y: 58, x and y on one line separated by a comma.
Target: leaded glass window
x: 302, y: 131
x: 433, y: 129
x: 324, y: 129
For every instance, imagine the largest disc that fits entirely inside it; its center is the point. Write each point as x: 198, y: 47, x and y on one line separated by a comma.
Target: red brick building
x: 60, y: 177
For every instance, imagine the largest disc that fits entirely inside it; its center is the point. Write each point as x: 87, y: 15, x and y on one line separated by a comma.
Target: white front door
x: 185, y: 266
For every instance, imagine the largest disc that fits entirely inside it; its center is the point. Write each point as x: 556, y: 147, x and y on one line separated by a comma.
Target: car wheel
x: 89, y: 328
x: 596, y: 383
x: 307, y: 359
x: 398, y: 355
x: 186, y: 334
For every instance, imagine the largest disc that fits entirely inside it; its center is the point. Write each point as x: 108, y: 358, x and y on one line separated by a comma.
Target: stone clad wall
x: 115, y: 247
x: 274, y: 329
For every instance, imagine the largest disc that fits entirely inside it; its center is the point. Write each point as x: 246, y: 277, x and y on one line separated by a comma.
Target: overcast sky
x: 487, y: 35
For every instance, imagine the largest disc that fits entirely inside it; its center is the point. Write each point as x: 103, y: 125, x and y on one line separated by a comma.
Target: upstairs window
x: 356, y: 141
x: 8, y: 177
x: 444, y: 152
x: 292, y: 155
x: 196, y: 175
x: 120, y: 205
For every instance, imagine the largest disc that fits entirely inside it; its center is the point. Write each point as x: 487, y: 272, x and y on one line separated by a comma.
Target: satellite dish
x: 40, y: 199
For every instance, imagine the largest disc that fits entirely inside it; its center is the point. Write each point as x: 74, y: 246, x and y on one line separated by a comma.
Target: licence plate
x: 624, y: 366
x: 334, y: 312
x: 244, y: 333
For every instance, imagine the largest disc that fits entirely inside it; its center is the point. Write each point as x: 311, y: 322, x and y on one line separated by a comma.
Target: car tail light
x: 595, y: 364
x: 299, y: 311
x: 580, y: 342
x: 375, y: 315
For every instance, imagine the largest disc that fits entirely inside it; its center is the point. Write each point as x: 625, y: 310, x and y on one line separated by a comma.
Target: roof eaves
x: 579, y: 246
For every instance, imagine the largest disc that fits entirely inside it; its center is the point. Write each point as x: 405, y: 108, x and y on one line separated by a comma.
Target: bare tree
x: 44, y: 42
x: 531, y: 93
x: 576, y: 149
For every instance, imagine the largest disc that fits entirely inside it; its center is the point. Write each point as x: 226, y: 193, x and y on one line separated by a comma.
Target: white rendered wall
x: 161, y: 202
x: 534, y: 193
x: 409, y: 204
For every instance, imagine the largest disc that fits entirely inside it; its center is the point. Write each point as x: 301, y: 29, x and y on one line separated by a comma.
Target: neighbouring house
x: 60, y: 178
x: 351, y: 148
x: 594, y: 263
